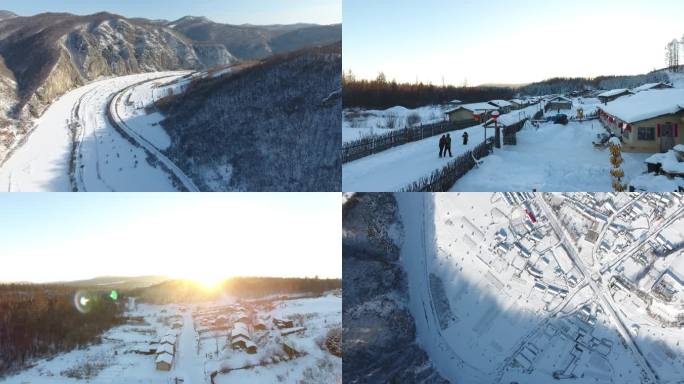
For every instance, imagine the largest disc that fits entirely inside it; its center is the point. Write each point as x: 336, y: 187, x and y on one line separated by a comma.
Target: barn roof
x: 613, y: 92
x: 560, y: 99
x: 475, y: 107
x: 165, y: 348
x: 501, y: 103
x: 646, y: 105
x: 649, y: 86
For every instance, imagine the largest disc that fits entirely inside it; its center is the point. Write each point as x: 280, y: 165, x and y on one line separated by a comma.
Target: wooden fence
x: 367, y: 146
x: 443, y: 179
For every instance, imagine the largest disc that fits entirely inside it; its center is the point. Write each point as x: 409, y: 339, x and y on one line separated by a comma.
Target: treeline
x: 563, y: 85
x: 186, y: 291
x: 40, y: 320
x: 263, y: 286
x: 382, y: 94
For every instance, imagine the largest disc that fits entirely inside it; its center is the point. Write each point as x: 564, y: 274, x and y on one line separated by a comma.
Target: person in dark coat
x: 447, y: 146
x: 442, y: 144
x: 465, y: 138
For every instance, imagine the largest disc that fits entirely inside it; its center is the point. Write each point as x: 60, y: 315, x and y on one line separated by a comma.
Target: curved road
x: 170, y: 166
x: 97, y: 158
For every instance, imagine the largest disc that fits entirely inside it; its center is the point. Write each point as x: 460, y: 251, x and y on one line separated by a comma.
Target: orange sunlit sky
x: 204, y: 237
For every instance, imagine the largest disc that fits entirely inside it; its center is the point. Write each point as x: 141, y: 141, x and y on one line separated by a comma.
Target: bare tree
x: 675, y: 54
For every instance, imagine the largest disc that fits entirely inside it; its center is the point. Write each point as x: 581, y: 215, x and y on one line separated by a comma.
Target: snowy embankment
x: 551, y: 158
x: 153, y: 134
x: 358, y: 123
x: 104, y: 161
x: 417, y: 215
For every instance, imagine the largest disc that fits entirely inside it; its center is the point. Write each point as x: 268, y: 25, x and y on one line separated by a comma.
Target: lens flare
x: 83, y: 302
x: 114, y: 295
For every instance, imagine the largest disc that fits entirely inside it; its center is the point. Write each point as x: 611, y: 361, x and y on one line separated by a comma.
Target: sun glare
x: 209, y: 282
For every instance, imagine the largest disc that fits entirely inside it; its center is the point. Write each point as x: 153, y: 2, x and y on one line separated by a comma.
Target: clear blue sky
x: 503, y: 41
x: 63, y: 236
x: 223, y: 11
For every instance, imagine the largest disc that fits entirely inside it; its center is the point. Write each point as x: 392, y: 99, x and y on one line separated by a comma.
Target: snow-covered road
x: 396, y: 168
x: 188, y: 365
x: 104, y: 160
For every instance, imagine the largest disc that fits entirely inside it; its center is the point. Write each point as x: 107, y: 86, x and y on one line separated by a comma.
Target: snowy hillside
x: 270, y: 127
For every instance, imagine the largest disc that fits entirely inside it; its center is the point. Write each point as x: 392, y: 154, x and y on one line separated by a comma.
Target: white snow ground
x: 105, y: 160
x: 115, y: 363
x: 551, y: 158
x: 502, y: 329
x: 358, y: 123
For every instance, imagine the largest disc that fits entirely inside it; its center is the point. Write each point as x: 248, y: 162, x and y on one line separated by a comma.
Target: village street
x: 188, y: 364
x: 551, y: 158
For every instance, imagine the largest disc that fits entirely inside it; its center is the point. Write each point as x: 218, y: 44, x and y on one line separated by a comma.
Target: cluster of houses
x: 481, y: 112
x: 166, y: 349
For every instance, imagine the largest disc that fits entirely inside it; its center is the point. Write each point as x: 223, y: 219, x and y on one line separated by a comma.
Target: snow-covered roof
x: 237, y: 332
x: 646, y: 105
x: 648, y: 86
x: 165, y: 348
x: 238, y: 339
x: 517, y: 101
x: 455, y: 101
x: 501, y: 103
x: 613, y: 92
x: 560, y: 98
x: 164, y: 358
x: 171, y: 339
x: 475, y: 107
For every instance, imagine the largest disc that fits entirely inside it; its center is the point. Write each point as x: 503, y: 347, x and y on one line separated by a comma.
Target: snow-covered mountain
x: 6, y: 15
x: 254, y: 41
x: 271, y: 127
x: 51, y: 53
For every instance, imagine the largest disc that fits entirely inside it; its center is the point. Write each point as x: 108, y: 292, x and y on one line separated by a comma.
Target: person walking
x: 442, y: 144
x: 465, y: 138
x: 447, y: 146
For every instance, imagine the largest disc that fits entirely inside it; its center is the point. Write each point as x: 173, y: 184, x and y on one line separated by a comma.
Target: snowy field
x: 105, y: 160
x: 358, y: 123
x: 500, y: 286
x: 202, y: 347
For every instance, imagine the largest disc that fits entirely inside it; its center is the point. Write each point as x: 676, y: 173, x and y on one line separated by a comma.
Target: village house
x: 163, y: 361
x: 517, y: 103
x: 474, y: 112
x: 614, y: 94
x: 558, y: 104
x: 503, y: 105
x: 281, y: 323
x: 647, y: 121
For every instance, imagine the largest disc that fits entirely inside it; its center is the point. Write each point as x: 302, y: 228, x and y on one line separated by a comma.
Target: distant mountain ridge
x: 248, y: 41
x: 51, y: 53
